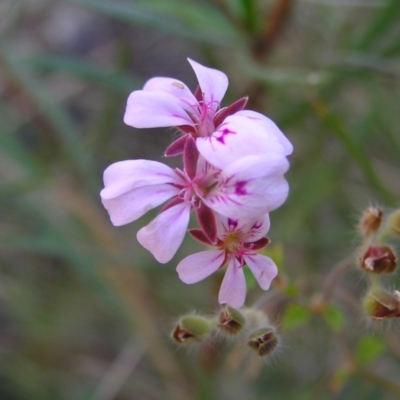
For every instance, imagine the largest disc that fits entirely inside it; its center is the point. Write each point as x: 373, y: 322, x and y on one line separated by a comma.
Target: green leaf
x: 334, y: 317
x: 368, y: 349
x: 295, y: 315
x: 291, y: 290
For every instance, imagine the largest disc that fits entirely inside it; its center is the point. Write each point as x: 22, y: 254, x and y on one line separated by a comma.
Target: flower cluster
x: 234, y: 161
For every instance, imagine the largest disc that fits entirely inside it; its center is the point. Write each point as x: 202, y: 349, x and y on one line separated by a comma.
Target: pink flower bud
x: 379, y: 260
x: 371, y: 220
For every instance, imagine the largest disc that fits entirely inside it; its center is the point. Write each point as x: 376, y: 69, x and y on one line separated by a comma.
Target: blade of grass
x: 388, y: 16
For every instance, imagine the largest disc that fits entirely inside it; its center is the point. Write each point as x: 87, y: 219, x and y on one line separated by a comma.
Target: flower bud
x: 231, y: 321
x: 379, y: 260
x: 191, y: 328
x: 371, y: 220
x: 264, y: 341
x: 380, y: 304
x: 393, y: 223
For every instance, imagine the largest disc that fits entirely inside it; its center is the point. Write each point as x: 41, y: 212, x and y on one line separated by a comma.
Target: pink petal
x: 173, y: 87
x: 237, y: 137
x: 130, y: 206
x: 250, y: 187
x: 123, y: 176
x: 213, y: 83
x: 263, y: 269
x: 256, y: 229
x: 196, y: 267
x: 163, y: 236
x: 147, y: 109
x: 269, y: 126
x: 233, y: 287
x: 206, y: 171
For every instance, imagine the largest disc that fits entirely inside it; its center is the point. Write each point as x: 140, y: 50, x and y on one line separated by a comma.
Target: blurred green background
x: 85, y: 312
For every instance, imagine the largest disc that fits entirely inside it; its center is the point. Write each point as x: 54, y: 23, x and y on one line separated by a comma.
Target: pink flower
x: 240, y: 136
x: 167, y: 102
x: 238, y: 242
x: 249, y: 187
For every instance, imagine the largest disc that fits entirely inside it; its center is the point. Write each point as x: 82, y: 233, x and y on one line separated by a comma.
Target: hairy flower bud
x: 231, y: 321
x: 191, y: 328
x: 380, y: 304
x: 379, y: 260
x: 264, y: 341
x: 371, y: 220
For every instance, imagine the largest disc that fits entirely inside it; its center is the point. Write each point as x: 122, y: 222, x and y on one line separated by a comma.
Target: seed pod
x: 191, y: 328
x: 379, y: 260
x: 264, y: 341
x: 371, y: 220
x: 380, y: 304
x: 231, y: 321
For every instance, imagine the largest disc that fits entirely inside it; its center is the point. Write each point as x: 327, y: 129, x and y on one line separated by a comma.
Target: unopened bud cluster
x: 377, y: 257
x: 247, y: 325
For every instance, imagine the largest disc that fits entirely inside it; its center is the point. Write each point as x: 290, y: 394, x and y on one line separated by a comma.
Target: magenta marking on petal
x: 256, y: 226
x: 232, y: 223
x: 225, y: 132
x: 240, y: 188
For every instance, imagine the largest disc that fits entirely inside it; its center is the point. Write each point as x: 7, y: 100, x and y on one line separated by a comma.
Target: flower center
x: 191, y: 190
x: 233, y: 243
x: 203, y: 116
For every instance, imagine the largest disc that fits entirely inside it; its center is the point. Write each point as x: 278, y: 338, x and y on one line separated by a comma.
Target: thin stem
x: 119, y: 371
x: 388, y: 385
x: 277, y: 18
x: 333, y: 277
